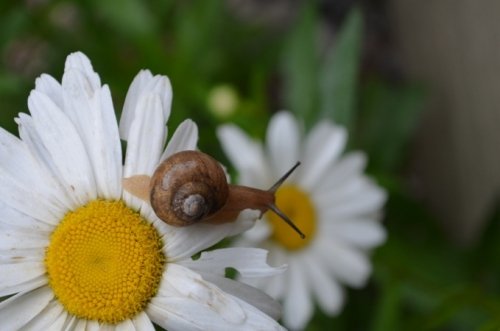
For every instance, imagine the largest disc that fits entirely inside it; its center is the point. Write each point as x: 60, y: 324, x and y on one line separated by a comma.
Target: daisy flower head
x: 77, y: 252
x: 328, y: 197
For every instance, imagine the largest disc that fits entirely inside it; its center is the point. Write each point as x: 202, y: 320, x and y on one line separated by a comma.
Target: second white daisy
x: 328, y: 198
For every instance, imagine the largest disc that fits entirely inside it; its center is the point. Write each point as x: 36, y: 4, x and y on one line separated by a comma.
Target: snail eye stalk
x: 275, y: 209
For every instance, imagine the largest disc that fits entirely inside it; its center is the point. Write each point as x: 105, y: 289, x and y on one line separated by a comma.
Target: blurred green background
x: 241, y: 61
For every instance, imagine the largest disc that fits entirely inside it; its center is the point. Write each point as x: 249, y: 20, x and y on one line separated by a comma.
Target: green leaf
x: 338, y: 77
x: 388, y: 308
x: 388, y: 118
x: 300, y: 66
x: 129, y: 17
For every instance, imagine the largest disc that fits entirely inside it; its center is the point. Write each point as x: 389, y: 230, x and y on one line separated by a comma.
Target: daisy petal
x: 358, y: 232
x: 91, y: 110
x: 18, y: 162
x: 283, y: 140
x: 47, y: 318
x: 108, y: 163
x: 142, y: 322
x: 18, y: 310
x: 368, y: 201
x: 250, y: 262
x: 182, y: 243
x: 144, y: 82
x: 15, y: 219
x: 184, y: 287
x: 184, y: 138
x: 347, y: 264
x: 15, y: 195
x: 31, y: 138
x: 254, y: 297
x: 276, y: 286
x: 146, y: 137
x: 297, y: 305
x: 47, y: 85
x: 258, y: 233
x: 15, y: 273
x: 68, y: 154
x: 22, y: 255
x: 79, y: 61
x: 129, y: 106
x: 328, y: 292
x: 245, y: 154
x: 185, y: 292
x: 348, y: 166
x: 23, y: 286
x: 126, y: 325
x: 322, y: 147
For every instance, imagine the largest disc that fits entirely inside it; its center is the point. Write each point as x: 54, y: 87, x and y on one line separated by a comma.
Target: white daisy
x: 328, y: 198
x: 79, y: 253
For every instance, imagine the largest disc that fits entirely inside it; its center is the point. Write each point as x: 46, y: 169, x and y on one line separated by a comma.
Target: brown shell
x: 188, y: 187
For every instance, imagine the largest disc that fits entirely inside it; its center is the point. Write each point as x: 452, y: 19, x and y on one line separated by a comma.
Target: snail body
x: 191, y: 187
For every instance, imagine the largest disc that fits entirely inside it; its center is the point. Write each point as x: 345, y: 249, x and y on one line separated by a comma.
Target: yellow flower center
x: 297, y: 205
x: 104, y: 262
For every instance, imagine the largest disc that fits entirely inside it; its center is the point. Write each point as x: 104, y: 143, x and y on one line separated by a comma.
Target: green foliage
x: 421, y: 280
x: 339, y: 74
x: 300, y: 66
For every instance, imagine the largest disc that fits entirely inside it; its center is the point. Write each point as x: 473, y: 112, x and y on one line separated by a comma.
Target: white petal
x: 184, y: 138
x: 321, y: 148
x: 142, y: 322
x: 126, y: 325
x: 297, y: 305
x: 23, y: 286
x: 348, y: 264
x: 15, y: 273
x: 19, y: 163
x: 182, y: 286
x: 108, y: 160
x: 19, y: 309
x: 250, y: 262
x: 325, y: 288
x: 187, y: 302
x: 28, y: 201
x: 246, y: 155
x: 10, y: 217
x: 362, y: 233
x: 64, y: 146
x: 79, y: 61
x: 368, y: 201
x: 91, y: 110
x: 130, y: 103
x: 22, y: 255
x: 9, y: 240
x: 182, y: 243
x: 276, y: 286
x: 259, y: 232
x: 47, y: 319
x: 32, y: 139
x: 146, y: 137
x: 352, y: 164
x: 70, y: 323
x: 142, y: 84
x: 49, y: 86
x: 283, y: 141
x: 249, y: 294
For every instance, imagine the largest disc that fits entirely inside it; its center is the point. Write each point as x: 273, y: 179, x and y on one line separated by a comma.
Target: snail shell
x: 188, y: 187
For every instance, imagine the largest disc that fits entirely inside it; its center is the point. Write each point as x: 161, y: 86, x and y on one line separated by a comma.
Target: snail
x: 190, y: 187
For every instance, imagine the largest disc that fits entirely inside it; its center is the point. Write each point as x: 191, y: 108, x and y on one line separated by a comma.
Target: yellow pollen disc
x: 104, y: 262
x: 297, y: 205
